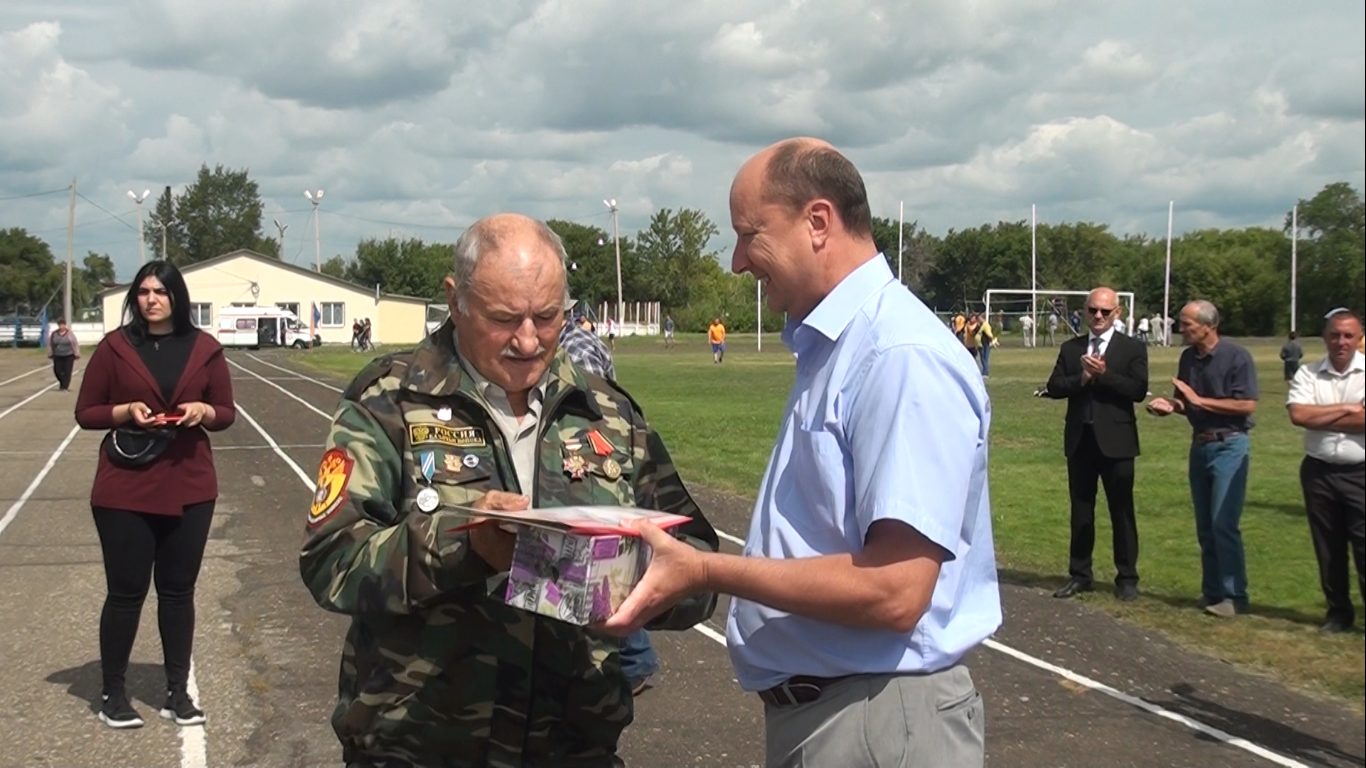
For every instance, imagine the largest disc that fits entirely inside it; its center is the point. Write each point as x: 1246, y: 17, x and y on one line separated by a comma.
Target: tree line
x: 675, y: 260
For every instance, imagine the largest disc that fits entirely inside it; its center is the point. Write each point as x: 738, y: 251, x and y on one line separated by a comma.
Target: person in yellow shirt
x: 716, y: 334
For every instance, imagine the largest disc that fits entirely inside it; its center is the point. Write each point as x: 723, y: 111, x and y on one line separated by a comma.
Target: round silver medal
x: 428, y: 500
x: 470, y: 460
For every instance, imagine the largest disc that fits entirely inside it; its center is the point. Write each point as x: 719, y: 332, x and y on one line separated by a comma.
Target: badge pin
x: 453, y: 463
x: 576, y: 466
x: 611, y: 469
x: 470, y: 460
x: 428, y: 499
x: 443, y: 413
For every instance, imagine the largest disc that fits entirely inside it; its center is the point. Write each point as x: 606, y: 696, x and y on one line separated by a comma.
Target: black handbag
x: 132, y: 447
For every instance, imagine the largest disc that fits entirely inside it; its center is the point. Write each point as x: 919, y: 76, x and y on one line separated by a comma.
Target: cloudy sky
x: 417, y: 118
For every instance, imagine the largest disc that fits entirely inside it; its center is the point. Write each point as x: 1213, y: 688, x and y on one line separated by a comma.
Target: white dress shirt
x: 1322, y: 384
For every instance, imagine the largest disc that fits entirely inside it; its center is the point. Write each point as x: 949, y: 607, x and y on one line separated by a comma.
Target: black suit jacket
x: 1111, y: 396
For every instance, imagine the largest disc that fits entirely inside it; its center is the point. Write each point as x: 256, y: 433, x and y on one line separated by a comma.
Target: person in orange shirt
x: 716, y: 334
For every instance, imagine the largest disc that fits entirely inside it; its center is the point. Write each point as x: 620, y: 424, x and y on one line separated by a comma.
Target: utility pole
x: 616, y: 239
x: 316, y: 200
x: 70, y: 246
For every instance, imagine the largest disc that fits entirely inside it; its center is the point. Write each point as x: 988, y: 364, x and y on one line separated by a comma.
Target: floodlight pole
x: 316, y: 200
x: 616, y: 239
x: 142, y: 243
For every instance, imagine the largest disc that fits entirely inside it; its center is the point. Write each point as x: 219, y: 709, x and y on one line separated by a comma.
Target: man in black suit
x: 1101, y: 375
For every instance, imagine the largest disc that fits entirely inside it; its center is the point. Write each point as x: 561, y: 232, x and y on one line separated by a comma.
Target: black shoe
x: 1336, y: 625
x: 638, y: 684
x: 116, y: 712
x: 1073, y: 587
x: 1126, y: 593
x: 180, y: 708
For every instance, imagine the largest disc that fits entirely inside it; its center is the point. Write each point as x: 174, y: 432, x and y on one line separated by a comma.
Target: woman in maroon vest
x: 155, y: 373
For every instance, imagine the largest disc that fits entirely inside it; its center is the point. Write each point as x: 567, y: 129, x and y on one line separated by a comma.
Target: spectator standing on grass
x: 869, y: 572
x: 1216, y: 390
x: 155, y: 490
x: 487, y: 412
x: 64, y: 350
x: 1053, y: 322
x: 1144, y: 329
x: 1291, y: 355
x: 716, y: 335
x: 668, y: 331
x: 1327, y: 399
x: 1027, y: 330
x: 1101, y: 375
x: 986, y: 340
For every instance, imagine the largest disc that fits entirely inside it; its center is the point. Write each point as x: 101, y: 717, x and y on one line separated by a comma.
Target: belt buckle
x: 792, y: 692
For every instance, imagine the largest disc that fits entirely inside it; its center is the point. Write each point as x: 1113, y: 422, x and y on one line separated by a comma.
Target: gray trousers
x: 874, y: 721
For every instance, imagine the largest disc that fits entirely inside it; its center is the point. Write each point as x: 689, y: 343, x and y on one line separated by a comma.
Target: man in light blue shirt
x: 868, y: 573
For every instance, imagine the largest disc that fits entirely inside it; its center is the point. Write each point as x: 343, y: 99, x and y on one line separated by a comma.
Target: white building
x: 247, y: 278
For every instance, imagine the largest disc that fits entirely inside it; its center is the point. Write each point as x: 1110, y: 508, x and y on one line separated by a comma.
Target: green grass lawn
x: 719, y: 422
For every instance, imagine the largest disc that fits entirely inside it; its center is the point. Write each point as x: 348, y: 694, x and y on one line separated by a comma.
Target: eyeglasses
x: 1102, y: 311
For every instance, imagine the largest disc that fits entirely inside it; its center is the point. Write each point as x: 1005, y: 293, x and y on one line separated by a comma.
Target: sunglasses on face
x: 1102, y: 311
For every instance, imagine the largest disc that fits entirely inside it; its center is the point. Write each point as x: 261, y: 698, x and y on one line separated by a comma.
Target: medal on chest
x: 427, y: 498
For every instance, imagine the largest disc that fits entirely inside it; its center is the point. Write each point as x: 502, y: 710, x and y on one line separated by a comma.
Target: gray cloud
x: 418, y: 116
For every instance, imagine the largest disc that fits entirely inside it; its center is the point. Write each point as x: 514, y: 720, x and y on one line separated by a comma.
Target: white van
x: 257, y: 327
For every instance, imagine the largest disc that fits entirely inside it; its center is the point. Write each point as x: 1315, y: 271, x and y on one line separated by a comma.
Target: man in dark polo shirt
x: 1216, y: 390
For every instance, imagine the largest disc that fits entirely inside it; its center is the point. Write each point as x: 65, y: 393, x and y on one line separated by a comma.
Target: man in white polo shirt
x: 869, y: 572
x: 1327, y: 399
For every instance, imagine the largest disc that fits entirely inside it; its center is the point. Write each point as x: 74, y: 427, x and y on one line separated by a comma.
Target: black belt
x: 798, y: 689
x: 1214, y: 435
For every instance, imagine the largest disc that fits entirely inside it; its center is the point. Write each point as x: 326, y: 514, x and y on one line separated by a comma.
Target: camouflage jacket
x: 436, y: 671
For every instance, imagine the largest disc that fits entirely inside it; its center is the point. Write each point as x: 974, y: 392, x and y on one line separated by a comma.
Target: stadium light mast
x: 616, y: 240
x: 281, y: 229
x: 142, y: 242
x: 316, y: 199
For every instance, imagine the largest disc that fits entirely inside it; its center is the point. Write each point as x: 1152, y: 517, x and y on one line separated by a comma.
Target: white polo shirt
x: 1322, y: 384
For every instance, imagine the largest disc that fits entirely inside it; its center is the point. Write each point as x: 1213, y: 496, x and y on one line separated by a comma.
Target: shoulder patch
x: 334, y: 472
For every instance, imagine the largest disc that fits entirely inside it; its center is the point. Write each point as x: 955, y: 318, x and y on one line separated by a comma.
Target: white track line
x: 288, y: 394
x: 14, y: 508
x: 1134, y: 701
x: 194, y: 748
x: 276, y: 447
x: 300, y: 374
x: 26, y: 400
x: 22, y: 375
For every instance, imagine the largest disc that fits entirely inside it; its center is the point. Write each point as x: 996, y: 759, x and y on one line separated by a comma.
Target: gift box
x: 580, y: 578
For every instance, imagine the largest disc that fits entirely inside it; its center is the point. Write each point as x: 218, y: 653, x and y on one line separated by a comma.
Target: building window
x: 201, y: 315
x: 334, y: 313
x: 290, y: 306
x: 243, y: 304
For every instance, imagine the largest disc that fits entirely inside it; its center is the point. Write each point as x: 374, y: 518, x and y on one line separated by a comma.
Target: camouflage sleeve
x: 658, y: 486
x: 365, y: 549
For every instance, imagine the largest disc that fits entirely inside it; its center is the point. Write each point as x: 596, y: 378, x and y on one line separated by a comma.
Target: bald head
x: 1102, y: 309
x: 505, y: 241
x: 793, y: 172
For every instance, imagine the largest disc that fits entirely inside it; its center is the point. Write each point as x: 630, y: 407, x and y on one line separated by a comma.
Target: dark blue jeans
x: 1218, y: 480
x: 638, y: 657
x: 986, y: 359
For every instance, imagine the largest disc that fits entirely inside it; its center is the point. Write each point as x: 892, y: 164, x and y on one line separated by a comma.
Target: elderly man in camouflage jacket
x: 485, y: 413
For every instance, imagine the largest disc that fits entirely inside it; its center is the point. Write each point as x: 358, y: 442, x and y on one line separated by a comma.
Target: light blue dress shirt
x: 887, y: 419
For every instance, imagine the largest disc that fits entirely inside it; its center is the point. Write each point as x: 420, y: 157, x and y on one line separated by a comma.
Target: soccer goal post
x: 1039, y: 304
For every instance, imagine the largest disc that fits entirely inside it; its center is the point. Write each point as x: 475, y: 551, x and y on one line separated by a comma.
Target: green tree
x: 218, y: 213
x: 336, y: 266
x: 917, y: 251
x: 28, y: 274
x: 1331, y: 268
x: 671, y: 251
x: 410, y: 267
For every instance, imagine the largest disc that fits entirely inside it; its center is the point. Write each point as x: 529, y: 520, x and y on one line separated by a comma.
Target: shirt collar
x: 1358, y: 363
x: 1104, y: 337
x: 834, y: 312
x: 483, y: 386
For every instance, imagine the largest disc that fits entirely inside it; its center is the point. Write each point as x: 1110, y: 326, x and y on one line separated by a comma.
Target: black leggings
x: 137, y: 547
x: 61, y: 368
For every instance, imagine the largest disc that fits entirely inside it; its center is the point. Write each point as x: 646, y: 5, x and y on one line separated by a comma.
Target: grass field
x: 719, y: 422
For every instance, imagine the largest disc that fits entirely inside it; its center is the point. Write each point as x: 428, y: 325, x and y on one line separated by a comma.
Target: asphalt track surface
x: 1064, y: 685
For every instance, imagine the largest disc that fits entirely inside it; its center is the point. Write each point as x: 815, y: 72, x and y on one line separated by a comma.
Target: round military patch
x: 334, y: 472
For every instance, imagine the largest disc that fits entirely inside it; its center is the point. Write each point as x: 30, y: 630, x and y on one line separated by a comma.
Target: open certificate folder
x: 588, y: 521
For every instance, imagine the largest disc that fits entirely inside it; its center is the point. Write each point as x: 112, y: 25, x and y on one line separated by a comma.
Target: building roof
x: 274, y: 262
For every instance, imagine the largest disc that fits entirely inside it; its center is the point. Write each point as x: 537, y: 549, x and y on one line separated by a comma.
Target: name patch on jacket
x: 440, y: 434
